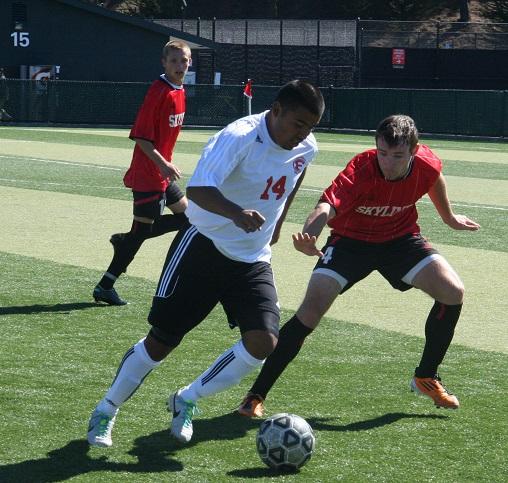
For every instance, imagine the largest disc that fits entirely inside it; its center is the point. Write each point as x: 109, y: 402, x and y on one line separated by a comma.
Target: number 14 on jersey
x: 278, y: 188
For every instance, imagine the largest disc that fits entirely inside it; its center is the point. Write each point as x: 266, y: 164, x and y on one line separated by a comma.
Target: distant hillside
x: 480, y: 11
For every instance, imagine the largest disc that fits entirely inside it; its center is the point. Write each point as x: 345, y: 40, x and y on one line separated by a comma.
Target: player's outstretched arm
x: 305, y: 241
x: 439, y: 197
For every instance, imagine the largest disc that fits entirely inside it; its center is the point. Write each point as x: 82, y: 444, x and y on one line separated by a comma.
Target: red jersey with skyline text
x: 159, y: 121
x: 373, y: 209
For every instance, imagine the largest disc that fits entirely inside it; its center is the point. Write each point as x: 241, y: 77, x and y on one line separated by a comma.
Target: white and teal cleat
x: 99, y: 429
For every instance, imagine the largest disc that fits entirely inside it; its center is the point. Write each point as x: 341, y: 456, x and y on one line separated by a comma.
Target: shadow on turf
x: 73, y: 460
x: 156, y: 452
x: 34, y: 309
x: 322, y: 424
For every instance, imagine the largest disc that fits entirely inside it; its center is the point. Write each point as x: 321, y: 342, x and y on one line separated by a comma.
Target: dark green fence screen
x: 452, y: 112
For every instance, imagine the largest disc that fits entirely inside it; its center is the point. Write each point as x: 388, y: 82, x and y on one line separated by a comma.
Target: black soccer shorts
x: 196, y: 277
x: 349, y: 261
x: 150, y: 204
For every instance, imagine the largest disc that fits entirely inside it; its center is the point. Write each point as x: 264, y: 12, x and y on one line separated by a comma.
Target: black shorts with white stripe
x: 196, y: 277
x: 349, y: 261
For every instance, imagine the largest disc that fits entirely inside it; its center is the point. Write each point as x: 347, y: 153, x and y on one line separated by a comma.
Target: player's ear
x: 413, y: 151
x: 276, y: 108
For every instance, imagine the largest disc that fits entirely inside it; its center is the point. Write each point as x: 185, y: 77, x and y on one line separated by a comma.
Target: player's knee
x: 180, y: 206
x: 457, y: 293
x: 156, y: 348
x: 453, y: 293
x: 259, y: 343
x: 310, y: 315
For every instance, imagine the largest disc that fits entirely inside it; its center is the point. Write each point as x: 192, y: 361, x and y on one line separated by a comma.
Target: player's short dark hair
x: 175, y: 44
x: 298, y: 93
x: 398, y: 129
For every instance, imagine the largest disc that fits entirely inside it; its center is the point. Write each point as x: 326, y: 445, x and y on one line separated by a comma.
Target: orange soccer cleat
x: 252, y: 406
x: 432, y: 387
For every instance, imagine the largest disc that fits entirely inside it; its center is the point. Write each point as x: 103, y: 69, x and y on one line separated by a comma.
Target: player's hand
x: 462, y: 222
x: 169, y: 170
x: 249, y: 220
x: 305, y: 243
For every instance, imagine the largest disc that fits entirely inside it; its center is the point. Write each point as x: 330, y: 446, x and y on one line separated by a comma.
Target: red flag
x: 248, y: 89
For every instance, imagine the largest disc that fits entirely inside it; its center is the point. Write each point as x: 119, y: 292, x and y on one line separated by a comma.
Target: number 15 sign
x: 20, y: 39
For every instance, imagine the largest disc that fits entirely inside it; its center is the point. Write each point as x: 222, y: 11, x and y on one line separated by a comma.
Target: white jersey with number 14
x: 250, y: 169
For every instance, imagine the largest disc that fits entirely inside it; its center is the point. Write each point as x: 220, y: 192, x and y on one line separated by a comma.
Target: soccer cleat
x: 252, y: 406
x: 109, y: 296
x: 432, y: 387
x: 99, y: 429
x: 181, y: 425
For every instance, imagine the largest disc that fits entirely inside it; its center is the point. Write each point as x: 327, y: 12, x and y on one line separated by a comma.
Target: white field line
x: 96, y: 166
x: 50, y: 183
x: 78, y: 165
x: 115, y: 132
x: 312, y: 190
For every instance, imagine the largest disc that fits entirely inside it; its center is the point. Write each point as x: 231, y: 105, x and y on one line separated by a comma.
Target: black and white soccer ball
x: 285, y: 441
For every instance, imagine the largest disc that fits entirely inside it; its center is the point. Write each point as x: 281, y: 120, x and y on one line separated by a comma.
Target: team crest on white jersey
x: 298, y: 164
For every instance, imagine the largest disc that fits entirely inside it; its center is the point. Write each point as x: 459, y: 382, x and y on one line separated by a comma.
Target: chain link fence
x: 273, y: 52
x: 453, y: 112
x: 433, y: 35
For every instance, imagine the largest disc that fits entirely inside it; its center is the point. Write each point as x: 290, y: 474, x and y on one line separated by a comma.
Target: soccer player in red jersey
x: 371, y: 210
x: 152, y: 175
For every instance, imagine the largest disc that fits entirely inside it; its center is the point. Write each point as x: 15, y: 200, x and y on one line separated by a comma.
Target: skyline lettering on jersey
x: 381, y: 210
x: 176, y: 120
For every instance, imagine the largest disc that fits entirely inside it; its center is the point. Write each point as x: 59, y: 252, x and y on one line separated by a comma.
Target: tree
x: 497, y: 10
x: 144, y: 8
x: 464, y: 11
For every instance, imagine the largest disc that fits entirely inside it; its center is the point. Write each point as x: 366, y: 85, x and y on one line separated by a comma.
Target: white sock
x: 135, y: 366
x: 227, y: 370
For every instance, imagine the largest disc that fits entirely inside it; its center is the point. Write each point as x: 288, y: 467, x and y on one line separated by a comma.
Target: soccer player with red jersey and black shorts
x: 371, y: 210
x: 152, y: 175
x: 239, y: 195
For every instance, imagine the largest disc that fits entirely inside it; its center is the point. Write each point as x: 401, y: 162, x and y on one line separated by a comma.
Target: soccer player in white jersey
x: 238, y: 196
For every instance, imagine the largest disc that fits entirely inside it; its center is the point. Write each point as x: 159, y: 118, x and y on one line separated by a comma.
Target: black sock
x: 291, y: 338
x: 439, y: 331
x: 107, y: 282
x: 125, y: 251
x: 167, y: 223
